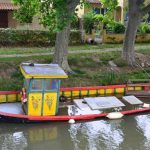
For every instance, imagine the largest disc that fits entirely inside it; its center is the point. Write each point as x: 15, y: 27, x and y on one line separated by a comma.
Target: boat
x: 42, y: 99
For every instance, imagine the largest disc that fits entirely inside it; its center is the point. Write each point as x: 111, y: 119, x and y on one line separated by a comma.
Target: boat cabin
x: 40, y: 94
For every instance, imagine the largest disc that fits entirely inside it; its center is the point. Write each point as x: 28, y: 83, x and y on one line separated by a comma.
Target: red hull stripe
x: 9, y: 92
x: 65, y: 118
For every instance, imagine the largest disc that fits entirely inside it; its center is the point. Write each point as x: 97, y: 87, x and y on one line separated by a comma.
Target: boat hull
x: 17, y: 118
x: 9, y: 96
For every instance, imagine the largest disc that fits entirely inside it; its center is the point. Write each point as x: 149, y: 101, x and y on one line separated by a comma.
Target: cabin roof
x: 30, y: 70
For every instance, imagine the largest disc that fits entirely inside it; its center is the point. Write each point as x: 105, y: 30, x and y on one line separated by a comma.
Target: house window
x: 3, y: 19
x: 99, y: 10
x: 96, y: 10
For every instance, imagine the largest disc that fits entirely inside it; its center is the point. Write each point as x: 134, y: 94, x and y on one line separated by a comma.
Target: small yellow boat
x: 39, y: 100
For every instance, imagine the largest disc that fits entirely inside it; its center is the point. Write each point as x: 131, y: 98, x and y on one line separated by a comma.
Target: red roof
x: 94, y: 1
x: 7, y: 6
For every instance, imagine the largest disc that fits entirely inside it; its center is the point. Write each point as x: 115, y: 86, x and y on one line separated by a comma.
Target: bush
x: 144, y: 28
x: 89, y: 22
x: 12, y: 37
x: 115, y: 27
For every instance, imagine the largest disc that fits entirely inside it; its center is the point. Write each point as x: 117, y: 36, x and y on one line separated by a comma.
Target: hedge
x: 12, y: 37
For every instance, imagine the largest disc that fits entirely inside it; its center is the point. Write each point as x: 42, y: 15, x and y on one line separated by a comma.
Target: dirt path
x: 70, y: 52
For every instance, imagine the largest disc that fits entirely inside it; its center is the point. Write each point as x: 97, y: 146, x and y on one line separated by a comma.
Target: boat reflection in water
x: 129, y: 133
x: 31, y: 136
x: 96, y: 134
x: 143, y: 124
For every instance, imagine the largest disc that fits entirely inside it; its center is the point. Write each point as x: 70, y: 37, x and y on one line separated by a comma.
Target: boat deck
x: 83, y: 106
x: 13, y: 108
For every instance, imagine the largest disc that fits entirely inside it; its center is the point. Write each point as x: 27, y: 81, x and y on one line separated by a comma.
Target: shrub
x: 12, y: 37
x: 88, y: 22
x: 115, y: 27
x: 144, y: 28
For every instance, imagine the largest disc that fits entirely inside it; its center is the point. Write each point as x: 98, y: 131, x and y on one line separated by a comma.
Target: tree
x: 137, y: 9
x: 56, y: 15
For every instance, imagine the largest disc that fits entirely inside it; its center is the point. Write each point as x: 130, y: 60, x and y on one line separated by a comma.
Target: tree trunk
x: 131, y: 30
x: 61, y: 46
x: 62, y: 40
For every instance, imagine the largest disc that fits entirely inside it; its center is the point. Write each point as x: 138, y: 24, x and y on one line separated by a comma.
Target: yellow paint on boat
x: 84, y: 92
x: 75, y: 93
x: 92, y: 92
x: 67, y: 93
x: 119, y: 90
x: 49, y: 104
x: 41, y: 75
x: 130, y: 88
x: 35, y: 104
x: 101, y: 92
x: 19, y: 97
x: 138, y: 88
x: 109, y: 91
x: 2, y: 98
x: 12, y: 98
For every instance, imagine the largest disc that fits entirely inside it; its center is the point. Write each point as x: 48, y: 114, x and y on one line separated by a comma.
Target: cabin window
x: 51, y: 84
x: 36, y: 84
x: 26, y: 83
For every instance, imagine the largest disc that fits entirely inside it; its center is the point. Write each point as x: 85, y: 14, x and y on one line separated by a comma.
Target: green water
x: 129, y: 133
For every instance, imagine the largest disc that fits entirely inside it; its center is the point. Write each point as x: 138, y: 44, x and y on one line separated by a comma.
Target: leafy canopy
x: 53, y: 14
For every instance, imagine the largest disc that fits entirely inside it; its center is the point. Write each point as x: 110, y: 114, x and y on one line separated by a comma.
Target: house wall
x: 12, y: 23
x: 90, y: 7
x: 118, y: 14
x: 35, y: 25
x: 80, y: 11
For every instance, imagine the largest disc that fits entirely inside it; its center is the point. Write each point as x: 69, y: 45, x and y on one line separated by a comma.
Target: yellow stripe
x: 119, y: 90
x: 137, y: 88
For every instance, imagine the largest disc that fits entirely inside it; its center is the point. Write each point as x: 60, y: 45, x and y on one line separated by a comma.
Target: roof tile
x: 7, y: 6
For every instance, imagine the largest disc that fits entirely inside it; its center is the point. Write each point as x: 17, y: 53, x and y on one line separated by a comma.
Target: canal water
x: 129, y: 133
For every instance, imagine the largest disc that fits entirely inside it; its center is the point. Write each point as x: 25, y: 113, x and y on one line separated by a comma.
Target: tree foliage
x: 54, y: 14
x: 110, y: 4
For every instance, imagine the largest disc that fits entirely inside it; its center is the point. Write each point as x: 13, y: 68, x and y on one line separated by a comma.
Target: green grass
x: 90, y: 68
x: 144, y: 48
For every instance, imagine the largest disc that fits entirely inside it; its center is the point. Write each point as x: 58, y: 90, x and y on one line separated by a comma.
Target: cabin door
x: 50, y: 97
x: 50, y: 103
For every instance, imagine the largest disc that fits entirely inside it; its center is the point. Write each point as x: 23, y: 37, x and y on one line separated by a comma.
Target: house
x: 96, y: 7
x: 6, y: 16
x: 7, y: 19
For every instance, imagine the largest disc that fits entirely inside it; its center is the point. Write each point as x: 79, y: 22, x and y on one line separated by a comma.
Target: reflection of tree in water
x: 15, y: 141
x: 143, y: 123
x: 96, y: 135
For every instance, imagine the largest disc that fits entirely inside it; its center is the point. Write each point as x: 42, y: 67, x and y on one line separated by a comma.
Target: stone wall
x: 118, y: 38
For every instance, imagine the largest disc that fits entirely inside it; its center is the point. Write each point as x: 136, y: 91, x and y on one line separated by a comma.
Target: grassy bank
x: 34, y: 50
x: 90, y: 69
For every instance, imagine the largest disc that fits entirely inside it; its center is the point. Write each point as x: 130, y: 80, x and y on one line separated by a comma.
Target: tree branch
x: 146, y: 9
x: 72, y: 4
